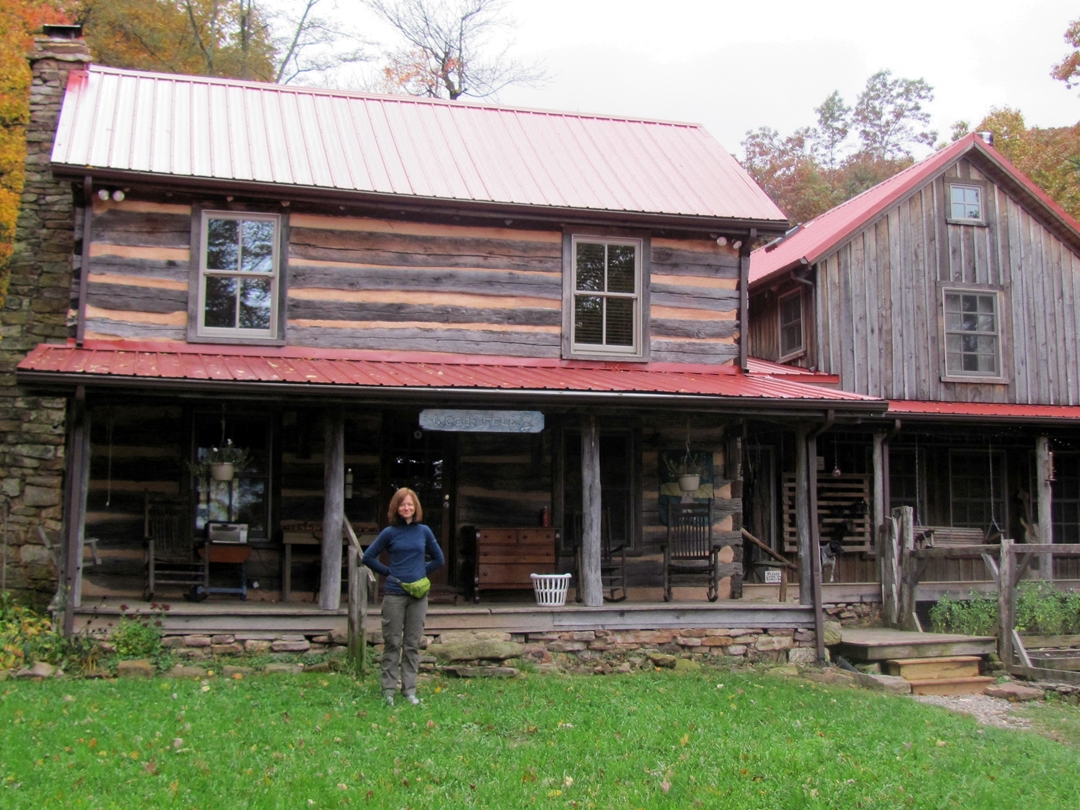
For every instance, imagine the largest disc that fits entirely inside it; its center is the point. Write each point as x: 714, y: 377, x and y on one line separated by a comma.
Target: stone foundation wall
x: 854, y: 614
x: 478, y: 653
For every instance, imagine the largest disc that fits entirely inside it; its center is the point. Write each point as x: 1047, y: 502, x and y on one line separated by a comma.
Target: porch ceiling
x: 240, y: 370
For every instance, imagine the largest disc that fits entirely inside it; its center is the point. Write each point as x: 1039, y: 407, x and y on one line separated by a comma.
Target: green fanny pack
x: 418, y: 589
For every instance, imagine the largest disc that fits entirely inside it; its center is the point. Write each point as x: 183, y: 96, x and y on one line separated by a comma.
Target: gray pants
x: 402, y: 630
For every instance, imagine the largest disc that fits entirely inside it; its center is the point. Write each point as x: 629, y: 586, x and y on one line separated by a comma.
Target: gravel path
x: 989, y: 711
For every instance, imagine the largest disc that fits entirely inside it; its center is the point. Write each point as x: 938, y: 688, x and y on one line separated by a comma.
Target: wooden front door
x: 423, y: 461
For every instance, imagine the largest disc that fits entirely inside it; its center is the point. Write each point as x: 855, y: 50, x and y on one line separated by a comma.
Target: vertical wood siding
x: 879, y: 298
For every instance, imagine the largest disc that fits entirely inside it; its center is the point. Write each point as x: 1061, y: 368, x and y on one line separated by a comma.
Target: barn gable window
x: 972, y: 334
x: 966, y: 203
x: 792, y: 340
x: 237, y: 291
x: 606, y: 302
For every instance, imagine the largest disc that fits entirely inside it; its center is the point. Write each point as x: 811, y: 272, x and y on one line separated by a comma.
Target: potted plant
x: 222, y: 463
x: 687, y: 470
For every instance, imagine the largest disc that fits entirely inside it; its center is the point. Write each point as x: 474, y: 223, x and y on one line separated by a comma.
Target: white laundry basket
x: 550, y: 589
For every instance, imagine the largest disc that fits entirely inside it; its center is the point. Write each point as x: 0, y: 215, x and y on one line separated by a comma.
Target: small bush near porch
x: 666, y: 739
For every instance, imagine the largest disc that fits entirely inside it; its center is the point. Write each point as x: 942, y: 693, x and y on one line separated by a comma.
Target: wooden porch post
x: 1006, y: 621
x: 592, y: 589
x: 1043, y: 473
x: 78, y: 481
x: 333, y: 507
x: 802, y: 515
x: 817, y: 598
x: 880, y: 474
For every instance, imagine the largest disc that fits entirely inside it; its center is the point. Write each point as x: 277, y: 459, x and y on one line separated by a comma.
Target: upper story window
x: 792, y: 342
x: 606, y: 297
x: 238, y: 275
x: 972, y: 334
x: 967, y: 203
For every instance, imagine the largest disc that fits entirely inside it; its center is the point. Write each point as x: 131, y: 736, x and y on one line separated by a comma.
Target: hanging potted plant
x: 687, y: 470
x: 222, y: 463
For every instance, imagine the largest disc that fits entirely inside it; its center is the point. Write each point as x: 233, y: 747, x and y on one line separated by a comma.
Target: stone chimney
x: 35, y: 310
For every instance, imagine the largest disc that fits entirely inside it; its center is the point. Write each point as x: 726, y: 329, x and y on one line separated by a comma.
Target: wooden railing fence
x: 361, y: 581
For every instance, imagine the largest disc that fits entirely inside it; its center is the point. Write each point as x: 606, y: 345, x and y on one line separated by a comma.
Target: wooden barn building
x: 531, y: 318
x: 951, y: 290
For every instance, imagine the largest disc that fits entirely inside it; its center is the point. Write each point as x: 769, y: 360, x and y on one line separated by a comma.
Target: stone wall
x: 36, y: 311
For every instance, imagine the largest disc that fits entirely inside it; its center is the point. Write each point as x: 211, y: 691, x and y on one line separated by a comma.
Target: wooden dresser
x: 506, y: 556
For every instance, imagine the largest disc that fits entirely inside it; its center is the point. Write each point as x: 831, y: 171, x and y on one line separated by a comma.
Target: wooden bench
x: 940, y: 536
x: 506, y: 556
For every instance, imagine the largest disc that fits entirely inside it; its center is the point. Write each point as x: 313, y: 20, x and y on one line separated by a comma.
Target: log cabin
x: 952, y: 291
x: 521, y: 315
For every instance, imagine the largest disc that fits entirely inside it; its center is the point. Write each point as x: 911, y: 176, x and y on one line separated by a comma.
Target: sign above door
x: 482, y: 421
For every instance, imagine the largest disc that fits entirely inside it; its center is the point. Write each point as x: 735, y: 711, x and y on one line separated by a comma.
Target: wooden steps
x: 945, y: 675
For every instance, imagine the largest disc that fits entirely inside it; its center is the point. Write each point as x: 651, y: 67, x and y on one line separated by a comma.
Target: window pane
x: 222, y: 244
x: 255, y: 303
x: 621, y: 268
x: 258, y: 247
x: 620, y: 322
x: 588, y: 319
x: 220, y: 308
x: 590, y: 267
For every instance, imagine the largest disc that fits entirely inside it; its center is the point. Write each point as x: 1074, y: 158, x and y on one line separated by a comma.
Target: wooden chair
x: 170, y: 554
x: 689, y: 551
x: 56, y: 554
x: 612, y: 558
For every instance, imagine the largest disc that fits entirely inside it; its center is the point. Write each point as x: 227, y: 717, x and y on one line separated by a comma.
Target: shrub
x: 27, y: 637
x: 976, y: 616
x: 137, y: 637
x: 1042, y: 609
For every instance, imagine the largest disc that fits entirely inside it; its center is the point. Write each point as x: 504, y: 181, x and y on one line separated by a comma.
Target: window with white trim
x: 606, y: 316
x: 966, y: 203
x: 791, y: 325
x: 238, y: 275
x: 972, y: 334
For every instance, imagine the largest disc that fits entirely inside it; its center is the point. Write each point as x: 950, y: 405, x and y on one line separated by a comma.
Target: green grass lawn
x: 711, y: 739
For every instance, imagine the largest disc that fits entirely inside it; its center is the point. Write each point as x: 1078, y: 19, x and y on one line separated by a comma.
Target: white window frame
x: 969, y: 185
x: 237, y: 332
x: 636, y: 351
x: 801, y: 348
x: 997, y: 334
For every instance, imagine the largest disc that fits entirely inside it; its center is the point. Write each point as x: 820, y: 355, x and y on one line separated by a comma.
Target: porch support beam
x: 333, y: 507
x: 592, y: 588
x: 802, y: 514
x: 815, y: 545
x: 1044, y: 470
x: 74, y: 526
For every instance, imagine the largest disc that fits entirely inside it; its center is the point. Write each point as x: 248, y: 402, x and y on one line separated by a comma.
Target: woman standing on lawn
x: 414, y: 553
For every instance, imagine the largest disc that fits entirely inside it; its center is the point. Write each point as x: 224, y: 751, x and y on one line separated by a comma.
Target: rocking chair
x: 170, y: 554
x: 612, y: 559
x: 689, y: 550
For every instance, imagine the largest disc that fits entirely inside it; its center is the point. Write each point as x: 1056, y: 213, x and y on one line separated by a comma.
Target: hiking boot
x: 413, y: 699
x: 389, y: 700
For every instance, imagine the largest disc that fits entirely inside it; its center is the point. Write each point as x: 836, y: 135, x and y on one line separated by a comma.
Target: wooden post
x: 1045, y: 491
x: 1005, y: 602
x: 333, y: 508
x: 359, y: 580
x: 880, y: 505
x: 78, y: 481
x: 592, y: 588
x: 908, y: 572
x: 888, y: 548
x: 802, y: 515
x: 817, y: 599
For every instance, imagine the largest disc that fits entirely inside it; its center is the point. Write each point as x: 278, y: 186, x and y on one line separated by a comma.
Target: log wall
x: 362, y: 283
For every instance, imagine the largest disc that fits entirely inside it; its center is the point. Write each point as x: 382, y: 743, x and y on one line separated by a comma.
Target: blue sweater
x: 408, y: 545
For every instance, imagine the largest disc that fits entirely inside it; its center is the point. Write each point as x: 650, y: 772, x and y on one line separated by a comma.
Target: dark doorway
x: 423, y: 461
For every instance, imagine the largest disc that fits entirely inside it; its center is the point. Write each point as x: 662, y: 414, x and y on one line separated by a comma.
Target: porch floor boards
x: 252, y: 619
x: 884, y: 644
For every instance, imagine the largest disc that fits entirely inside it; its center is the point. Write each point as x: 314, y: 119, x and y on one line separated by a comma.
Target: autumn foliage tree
x: 19, y: 19
x: 819, y: 167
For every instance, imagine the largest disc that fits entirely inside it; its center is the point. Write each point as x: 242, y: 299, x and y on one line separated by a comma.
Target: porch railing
x: 361, y: 580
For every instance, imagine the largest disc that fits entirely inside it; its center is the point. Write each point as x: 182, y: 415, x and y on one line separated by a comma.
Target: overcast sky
x: 737, y: 66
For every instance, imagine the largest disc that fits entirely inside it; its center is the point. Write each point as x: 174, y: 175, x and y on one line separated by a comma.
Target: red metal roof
x: 219, y: 130
x: 985, y: 411
x: 815, y: 239
x: 297, y: 369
